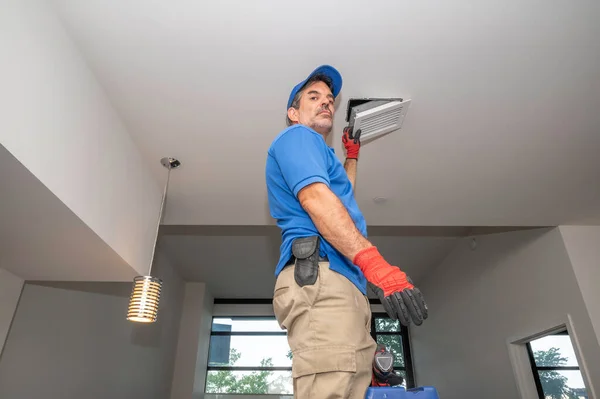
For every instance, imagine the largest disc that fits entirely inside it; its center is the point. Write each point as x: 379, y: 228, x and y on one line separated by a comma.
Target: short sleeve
x: 302, y: 158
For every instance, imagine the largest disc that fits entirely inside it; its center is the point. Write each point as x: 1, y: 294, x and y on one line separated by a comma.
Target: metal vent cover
x: 377, y: 117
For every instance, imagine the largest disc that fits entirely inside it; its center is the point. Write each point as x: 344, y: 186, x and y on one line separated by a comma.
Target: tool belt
x: 305, y: 255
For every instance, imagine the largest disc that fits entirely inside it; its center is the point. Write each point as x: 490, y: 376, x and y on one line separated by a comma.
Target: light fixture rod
x: 168, y: 163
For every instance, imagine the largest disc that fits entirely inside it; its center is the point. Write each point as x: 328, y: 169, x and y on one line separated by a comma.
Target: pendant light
x: 145, y: 294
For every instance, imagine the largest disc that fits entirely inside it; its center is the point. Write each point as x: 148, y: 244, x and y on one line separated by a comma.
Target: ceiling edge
x: 374, y: 231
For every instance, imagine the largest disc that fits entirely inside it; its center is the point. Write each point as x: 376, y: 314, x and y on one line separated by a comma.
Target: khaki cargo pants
x: 328, y: 327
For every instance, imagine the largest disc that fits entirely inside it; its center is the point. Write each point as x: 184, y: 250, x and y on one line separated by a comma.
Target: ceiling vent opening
x: 376, y: 117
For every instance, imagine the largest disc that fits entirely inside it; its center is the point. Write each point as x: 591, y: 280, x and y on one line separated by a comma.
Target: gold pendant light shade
x: 145, y: 296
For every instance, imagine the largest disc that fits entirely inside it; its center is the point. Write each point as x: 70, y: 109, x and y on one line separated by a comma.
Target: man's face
x: 316, y: 108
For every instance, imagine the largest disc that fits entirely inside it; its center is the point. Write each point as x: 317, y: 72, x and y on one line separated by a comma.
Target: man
x: 326, y: 260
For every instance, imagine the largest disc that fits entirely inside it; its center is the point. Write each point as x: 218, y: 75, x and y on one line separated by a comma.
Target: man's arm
x: 332, y: 219
x: 352, y: 144
x: 350, y: 166
x: 399, y: 297
x: 307, y: 178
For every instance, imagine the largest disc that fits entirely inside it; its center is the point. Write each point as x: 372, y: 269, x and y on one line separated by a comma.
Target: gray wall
x: 71, y: 341
x: 510, y: 285
x: 10, y: 291
x: 583, y: 247
x: 192, y: 348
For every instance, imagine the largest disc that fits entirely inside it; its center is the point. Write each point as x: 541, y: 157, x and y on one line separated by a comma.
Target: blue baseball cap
x: 327, y: 70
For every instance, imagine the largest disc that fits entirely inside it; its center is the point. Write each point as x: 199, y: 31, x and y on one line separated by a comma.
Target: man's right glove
x: 351, y: 141
x: 399, y: 297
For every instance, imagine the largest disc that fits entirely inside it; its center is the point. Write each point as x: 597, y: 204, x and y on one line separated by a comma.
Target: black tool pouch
x: 306, y: 252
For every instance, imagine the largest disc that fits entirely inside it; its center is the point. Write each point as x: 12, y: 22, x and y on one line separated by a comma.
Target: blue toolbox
x: 401, y: 393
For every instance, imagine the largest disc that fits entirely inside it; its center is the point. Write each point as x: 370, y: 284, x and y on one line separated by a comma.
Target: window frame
x: 246, y: 334
x: 406, y: 349
x: 404, y: 333
x: 535, y: 369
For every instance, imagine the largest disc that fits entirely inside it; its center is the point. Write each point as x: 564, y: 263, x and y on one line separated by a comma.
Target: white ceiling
x: 503, y: 129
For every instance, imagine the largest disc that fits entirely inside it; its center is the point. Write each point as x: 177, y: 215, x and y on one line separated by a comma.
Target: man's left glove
x: 399, y: 297
x: 351, y: 141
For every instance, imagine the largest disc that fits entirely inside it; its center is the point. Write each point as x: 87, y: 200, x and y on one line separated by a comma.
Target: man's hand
x: 400, y: 298
x: 351, y: 142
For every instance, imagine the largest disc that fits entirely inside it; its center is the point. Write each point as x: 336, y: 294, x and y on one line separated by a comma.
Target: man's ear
x: 293, y: 114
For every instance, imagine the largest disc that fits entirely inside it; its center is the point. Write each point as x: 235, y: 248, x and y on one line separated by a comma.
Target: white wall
x: 58, y: 122
x: 583, y: 247
x: 71, y: 341
x: 192, y: 346
x: 10, y: 292
x: 511, y: 285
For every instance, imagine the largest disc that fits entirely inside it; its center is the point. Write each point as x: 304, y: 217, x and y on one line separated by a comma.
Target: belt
x: 293, y: 260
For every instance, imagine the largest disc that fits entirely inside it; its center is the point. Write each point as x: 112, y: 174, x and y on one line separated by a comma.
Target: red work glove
x: 351, y: 142
x: 399, y: 297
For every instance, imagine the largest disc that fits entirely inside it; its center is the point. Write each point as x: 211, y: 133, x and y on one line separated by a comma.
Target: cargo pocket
x: 282, y: 300
x: 328, y: 359
x: 281, y: 305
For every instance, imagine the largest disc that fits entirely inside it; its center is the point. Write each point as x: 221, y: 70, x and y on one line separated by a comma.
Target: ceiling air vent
x: 376, y: 117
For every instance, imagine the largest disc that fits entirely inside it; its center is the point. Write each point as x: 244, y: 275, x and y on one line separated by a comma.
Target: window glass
x: 249, y: 382
x: 249, y: 351
x: 248, y: 355
x: 555, y: 367
x: 554, y: 350
x: 384, y: 324
x: 246, y: 324
x: 562, y: 381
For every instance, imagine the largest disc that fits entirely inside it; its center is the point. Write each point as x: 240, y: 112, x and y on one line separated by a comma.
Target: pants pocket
x: 316, y: 360
x: 282, y: 296
x: 325, y: 372
x: 290, y: 300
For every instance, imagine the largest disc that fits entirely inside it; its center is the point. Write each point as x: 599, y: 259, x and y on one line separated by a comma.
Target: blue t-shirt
x: 299, y: 156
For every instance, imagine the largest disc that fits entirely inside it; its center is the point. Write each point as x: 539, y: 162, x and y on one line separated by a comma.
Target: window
x: 555, y: 367
x: 251, y: 355
x: 248, y: 355
x: 395, y: 337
